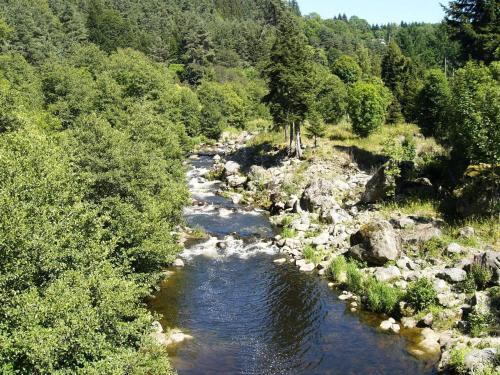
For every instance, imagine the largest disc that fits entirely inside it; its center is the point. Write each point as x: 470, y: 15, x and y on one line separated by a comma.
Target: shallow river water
x: 249, y: 315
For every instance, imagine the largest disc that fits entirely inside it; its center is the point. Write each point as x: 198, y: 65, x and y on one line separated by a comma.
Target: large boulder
x: 491, y: 261
x: 376, y: 243
x: 318, y: 196
x: 479, y: 193
x: 378, y: 187
x: 452, y: 275
x: 231, y: 168
x: 479, y: 359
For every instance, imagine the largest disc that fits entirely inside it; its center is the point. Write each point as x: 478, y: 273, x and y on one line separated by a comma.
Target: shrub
x: 481, y: 276
x: 473, y: 131
x: 368, y: 104
x: 479, y: 323
x: 381, y: 297
x: 421, y: 294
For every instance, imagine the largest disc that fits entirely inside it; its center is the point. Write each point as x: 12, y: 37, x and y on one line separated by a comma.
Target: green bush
x: 481, y: 276
x: 368, y: 104
x: 347, y: 69
x: 479, y: 323
x: 381, y: 297
x: 473, y: 131
x: 421, y: 294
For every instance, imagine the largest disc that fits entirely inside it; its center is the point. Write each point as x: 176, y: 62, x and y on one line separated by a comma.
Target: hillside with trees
x: 101, y: 101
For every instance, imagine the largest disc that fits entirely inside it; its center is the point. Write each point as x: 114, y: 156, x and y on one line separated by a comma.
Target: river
x: 249, y: 315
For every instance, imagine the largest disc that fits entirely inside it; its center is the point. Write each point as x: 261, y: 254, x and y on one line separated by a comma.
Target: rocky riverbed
x: 325, y: 207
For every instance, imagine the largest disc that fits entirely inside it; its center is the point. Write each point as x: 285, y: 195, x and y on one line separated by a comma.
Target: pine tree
x: 316, y: 127
x: 289, y: 74
x: 476, y: 25
x: 395, y: 74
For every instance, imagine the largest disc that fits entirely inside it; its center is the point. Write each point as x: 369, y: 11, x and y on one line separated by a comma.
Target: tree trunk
x: 286, y: 133
x: 290, y: 146
x: 298, y: 143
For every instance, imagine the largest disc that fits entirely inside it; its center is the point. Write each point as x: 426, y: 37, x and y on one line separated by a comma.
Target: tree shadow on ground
x: 264, y: 154
x: 366, y: 160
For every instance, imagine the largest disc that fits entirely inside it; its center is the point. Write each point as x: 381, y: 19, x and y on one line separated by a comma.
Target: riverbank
x: 399, y: 259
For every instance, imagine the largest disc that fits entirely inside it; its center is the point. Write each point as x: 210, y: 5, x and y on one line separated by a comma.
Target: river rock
x: 408, y: 322
x: 308, y: 267
x: 403, y: 222
x: 426, y: 321
x: 422, y: 233
x: 235, y: 180
x: 454, y: 248
x: 387, y: 324
x: 467, y: 232
x: 321, y: 239
x: 178, y: 263
x: 157, y: 333
x: 481, y: 303
x: 376, y: 243
x: 231, y: 168
x: 318, y: 196
x: 452, y: 275
x: 302, y: 224
x: 480, y: 359
x: 491, y: 261
x: 385, y: 274
x: 430, y: 341
x: 280, y: 261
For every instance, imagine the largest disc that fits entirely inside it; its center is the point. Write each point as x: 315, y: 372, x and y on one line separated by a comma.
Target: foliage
x: 368, y: 104
x: 481, y: 276
x: 433, y: 102
x: 381, y: 297
x: 474, y: 23
x: 338, y: 267
x: 421, y: 294
x: 473, y: 130
x: 479, y: 323
x: 290, y: 79
x: 347, y: 69
x: 315, y: 127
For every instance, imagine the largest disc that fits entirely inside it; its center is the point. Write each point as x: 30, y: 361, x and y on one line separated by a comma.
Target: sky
x: 378, y: 11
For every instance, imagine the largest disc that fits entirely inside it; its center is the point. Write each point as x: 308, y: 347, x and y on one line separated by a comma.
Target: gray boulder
x: 231, y: 168
x: 491, y: 261
x: 480, y: 359
x: 376, y: 243
x: 452, y: 275
x: 378, y: 187
x: 318, y: 196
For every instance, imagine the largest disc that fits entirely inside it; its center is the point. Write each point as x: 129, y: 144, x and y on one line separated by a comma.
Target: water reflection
x: 249, y: 315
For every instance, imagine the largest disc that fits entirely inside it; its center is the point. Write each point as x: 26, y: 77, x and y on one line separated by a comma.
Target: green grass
x: 288, y: 233
x: 411, y: 206
x: 338, y: 269
x: 313, y: 255
x: 381, y: 297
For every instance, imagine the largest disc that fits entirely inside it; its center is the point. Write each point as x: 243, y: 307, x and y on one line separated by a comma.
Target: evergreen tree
x: 316, y: 127
x: 476, y: 25
x: 289, y: 74
x: 396, y: 74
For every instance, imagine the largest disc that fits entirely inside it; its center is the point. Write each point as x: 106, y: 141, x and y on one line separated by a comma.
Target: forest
x: 102, y: 100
